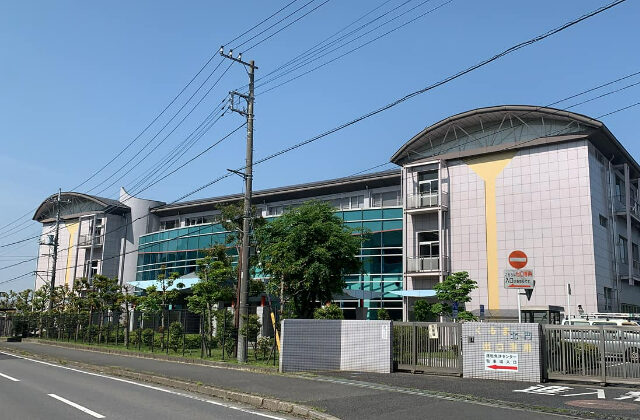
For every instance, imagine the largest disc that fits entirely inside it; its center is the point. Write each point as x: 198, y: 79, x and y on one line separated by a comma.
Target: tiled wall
x: 316, y: 345
x: 484, y: 343
x: 543, y: 206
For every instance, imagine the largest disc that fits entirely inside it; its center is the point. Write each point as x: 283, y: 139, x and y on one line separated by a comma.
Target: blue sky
x: 79, y: 80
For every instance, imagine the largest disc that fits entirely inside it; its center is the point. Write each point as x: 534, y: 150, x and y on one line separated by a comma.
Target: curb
x: 265, y: 403
x: 152, y: 356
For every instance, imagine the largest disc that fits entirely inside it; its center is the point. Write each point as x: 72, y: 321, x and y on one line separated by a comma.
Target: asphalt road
x: 32, y: 389
x: 346, y: 401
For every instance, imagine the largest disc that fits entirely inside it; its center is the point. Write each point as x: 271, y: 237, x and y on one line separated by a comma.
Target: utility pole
x: 248, y: 179
x: 55, y: 252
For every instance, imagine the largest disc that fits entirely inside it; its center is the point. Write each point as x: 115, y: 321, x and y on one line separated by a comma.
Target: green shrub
x: 147, y: 337
x: 175, y: 336
x: 422, y: 311
x: 264, y: 346
x: 331, y: 311
x: 383, y: 314
x: 192, y: 341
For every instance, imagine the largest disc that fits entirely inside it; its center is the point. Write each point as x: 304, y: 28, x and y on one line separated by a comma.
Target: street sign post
x: 518, y: 259
x: 519, y: 277
x: 454, y: 310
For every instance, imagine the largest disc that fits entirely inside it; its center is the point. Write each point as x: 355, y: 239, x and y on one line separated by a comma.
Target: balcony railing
x: 85, y: 240
x: 426, y: 200
x: 425, y: 264
x: 620, y: 205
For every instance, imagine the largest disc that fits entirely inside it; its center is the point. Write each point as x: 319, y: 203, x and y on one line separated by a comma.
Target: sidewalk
x: 351, y: 395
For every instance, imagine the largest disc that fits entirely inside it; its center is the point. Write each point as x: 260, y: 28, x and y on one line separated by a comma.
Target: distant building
x: 472, y: 188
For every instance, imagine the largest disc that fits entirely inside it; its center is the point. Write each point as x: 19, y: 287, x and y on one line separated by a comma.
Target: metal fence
x: 171, y: 331
x: 430, y: 347
x: 6, y: 325
x: 603, y: 354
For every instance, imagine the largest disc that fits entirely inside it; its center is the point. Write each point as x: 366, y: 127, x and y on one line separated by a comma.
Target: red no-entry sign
x: 518, y: 259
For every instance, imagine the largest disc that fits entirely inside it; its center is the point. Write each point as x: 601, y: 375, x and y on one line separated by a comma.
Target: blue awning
x: 188, y: 280
x: 414, y: 293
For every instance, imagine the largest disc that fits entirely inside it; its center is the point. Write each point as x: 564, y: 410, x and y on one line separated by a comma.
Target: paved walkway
x: 371, y: 396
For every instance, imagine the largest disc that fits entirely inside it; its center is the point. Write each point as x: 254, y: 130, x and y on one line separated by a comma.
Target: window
x: 603, y: 221
x: 90, y: 268
x: 608, y: 299
x: 385, y: 199
x: 620, y: 190
x: 274, y: 210
x: 622, y: 246
x: 635, y: 253
x: 168, y: 224
x: 347, y: 203
x: 428, y: 183
x: 199, y: 220
x: 428, y: 244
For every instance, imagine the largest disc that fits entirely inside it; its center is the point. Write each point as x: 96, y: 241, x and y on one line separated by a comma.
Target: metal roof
x: 299, y: 191
x: 107, y: 203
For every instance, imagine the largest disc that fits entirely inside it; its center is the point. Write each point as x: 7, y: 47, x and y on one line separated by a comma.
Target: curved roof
x: 71, y: 200
x: 496, y: 116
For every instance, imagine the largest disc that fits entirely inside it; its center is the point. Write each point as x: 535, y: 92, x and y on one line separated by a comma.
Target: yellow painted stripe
x: 72, y: 228
x: 273, y: 321
x: 488, y: 168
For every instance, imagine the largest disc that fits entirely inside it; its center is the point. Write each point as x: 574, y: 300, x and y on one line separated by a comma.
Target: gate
x: 592, y: 353
x: 430, y: 347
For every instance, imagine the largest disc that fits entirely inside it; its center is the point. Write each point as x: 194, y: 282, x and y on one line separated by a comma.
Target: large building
x: 470, y: 190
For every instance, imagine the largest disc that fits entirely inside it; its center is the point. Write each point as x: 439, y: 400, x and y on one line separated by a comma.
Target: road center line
x: 9, y: 377
x: 168, y: 391
x: 78, y: 406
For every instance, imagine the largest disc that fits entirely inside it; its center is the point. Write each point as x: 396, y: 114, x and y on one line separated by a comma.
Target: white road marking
x: 168, y: 391
x: 9, y: 377
x: 78, y: 406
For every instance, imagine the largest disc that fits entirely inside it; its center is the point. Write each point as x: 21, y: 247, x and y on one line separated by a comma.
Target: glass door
x: 428, y: 251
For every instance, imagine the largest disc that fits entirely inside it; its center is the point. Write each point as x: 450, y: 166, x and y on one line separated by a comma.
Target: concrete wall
x: 141, y: 222
x: 316, y: 345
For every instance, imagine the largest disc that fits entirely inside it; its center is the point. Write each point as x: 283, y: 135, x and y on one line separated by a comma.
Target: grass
x: 216, y: 353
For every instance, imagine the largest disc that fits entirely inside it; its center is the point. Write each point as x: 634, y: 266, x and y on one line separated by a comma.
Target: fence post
x: 184, y: 329
x: 603, y: 361
x: 460, y: 361
x: 414, y: 347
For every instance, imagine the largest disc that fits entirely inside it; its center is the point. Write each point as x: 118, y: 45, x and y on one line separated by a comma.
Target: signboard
x: 518, y: 259
x: 454, y: 309
x: 433, y: 330
x: 481, y: 311
x: 518, y: 279
x: 501, y: 362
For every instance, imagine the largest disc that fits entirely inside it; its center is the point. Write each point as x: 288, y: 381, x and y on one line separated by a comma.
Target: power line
x: 259, y: 24
x: 164, y: 110
x: 314, y: 56
x: 445, y: 80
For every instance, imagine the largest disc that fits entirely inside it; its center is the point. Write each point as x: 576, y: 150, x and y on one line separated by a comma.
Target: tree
x: 251, y: 329
x: 129, y: 300
x: 231, y: 217
x: 216, y: 284
x: 328, y: 312
x: 383, y: 315
x: 422, y: 311
x: 306, y: 252
x: 455, y: 288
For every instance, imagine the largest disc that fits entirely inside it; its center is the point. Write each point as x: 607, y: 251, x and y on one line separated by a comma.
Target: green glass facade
x: 381, y: 254
x: 177, y: 249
